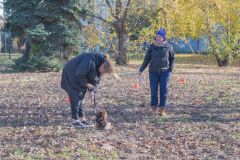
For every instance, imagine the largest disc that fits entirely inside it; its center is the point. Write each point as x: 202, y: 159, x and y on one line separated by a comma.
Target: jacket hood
x: 98, y: 59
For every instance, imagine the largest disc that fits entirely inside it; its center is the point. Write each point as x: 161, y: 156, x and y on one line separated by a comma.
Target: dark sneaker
x: 87, y: 123
x: 78, y: 125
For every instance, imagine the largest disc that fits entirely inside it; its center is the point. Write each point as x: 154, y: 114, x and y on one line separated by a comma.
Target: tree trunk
x: 222, y: 62
x: 20, y: 44
x: 26, y: 54
x: 121, y: 57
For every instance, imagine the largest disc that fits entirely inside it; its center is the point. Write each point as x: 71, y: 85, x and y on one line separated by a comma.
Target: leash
x: 95, y: 103
x: 93, y: 91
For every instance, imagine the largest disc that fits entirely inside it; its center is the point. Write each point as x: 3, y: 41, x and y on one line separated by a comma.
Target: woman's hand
x: 170, y: 70
x: 90, y: 87
x: 140, y: 77
x: 91, y: 95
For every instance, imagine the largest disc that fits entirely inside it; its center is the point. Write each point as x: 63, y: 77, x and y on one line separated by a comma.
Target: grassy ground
x: 203, y: 121
x: 201, y: 59
x: 191, y: 59
x: 6, y: 63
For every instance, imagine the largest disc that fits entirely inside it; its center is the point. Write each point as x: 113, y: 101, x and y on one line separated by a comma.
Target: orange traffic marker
x: 182, y: 81
x: 135, y: 86
x: 67, y: 100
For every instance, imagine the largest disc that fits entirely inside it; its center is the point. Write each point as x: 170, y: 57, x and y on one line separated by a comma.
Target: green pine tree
x: 51, y: 28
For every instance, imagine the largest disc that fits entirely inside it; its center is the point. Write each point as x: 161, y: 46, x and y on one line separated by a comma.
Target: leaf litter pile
x: 203, y: 117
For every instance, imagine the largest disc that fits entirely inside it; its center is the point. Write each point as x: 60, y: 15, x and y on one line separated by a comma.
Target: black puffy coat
x: 161, y: 58
x: 81, y: 70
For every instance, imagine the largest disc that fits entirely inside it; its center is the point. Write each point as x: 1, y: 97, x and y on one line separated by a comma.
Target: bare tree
x: 118, y: 10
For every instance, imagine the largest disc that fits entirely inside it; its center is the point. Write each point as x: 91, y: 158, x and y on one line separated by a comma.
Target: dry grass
x: 203, y: 121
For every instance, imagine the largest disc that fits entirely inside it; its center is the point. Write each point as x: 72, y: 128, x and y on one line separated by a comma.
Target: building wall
x: 198, y: 45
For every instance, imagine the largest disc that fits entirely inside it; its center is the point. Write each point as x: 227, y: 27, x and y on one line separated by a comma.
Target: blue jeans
x: 159, y: 79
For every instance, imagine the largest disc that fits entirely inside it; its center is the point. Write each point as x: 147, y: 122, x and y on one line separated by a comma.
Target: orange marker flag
x: 182, y: 81
x: 67, y: 100
x: 135, y: 86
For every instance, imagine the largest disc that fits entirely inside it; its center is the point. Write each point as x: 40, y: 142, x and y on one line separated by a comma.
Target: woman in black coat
x: 161, y: 57
x: 80, y: 74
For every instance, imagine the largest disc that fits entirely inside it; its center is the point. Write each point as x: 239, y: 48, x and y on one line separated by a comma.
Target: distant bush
x: 42, y: 64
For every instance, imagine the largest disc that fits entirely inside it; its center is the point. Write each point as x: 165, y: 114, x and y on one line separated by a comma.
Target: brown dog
x: 102, y: 120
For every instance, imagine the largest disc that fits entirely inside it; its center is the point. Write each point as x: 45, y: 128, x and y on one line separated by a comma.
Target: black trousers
x: 77, y: 103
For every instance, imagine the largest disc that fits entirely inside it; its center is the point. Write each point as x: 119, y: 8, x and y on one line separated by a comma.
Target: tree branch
x: 111, y: 8
x: 166, y: 5
x: 126, y: 9
x: 118, y: 8
x: 100, y: 18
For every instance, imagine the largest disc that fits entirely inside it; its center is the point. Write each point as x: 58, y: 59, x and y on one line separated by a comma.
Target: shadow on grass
x: 179, y: 113
x: 34, y: 116
x: 55, y: 116
x: 205, y: 113
x: 209, y: 74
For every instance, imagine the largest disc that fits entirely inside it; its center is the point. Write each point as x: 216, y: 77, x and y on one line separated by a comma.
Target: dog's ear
x: 104, y: 115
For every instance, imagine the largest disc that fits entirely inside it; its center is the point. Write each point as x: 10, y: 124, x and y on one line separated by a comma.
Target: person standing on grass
x: 161, y: 57
x: 80, y: 74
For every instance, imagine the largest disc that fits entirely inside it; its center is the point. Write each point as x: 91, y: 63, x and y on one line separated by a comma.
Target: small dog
x: 102, y: 120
